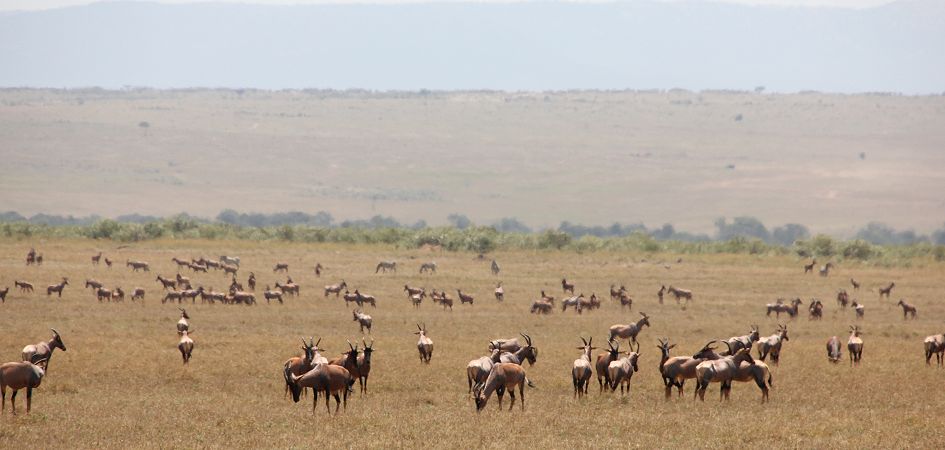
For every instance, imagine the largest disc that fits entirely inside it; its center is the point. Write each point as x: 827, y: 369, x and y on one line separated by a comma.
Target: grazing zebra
x: 385, y: 266
x: 495, y: 268
x: 428, y: 267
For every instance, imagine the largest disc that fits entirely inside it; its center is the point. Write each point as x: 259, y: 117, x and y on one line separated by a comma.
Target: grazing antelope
x: 581, y: 370
x: 833, y: 350
x: 3, y: 294
x: 499, y: 292
x: 191, y: 294
x: 413, y: 291
x: 527, y: 352
x: 495, y: 268
x: 299, y: 365
x: 617, y: 293
x: 57, y: 288
x: 629, y: 331
x: 23, y: 285
x: 417, y: 299
x: 330, y: 379
x: 385, y: 266
x: 251, y: 281
x: 168, y: 284
x: 907, y: 309
x: 723, y: 370
x: 771, y: 345
x: 335, y: 288
x: 229, y: 270
x: 365, y: 298
x: 603, y: 364
x: 886, y: 290
x: 590, y: 303
x: 680, y: 293
x: 464, y: 298
x: 859, y: 309
x: 542, y: 307
x: 183, y: 282
x: 567, y: 287
x: 96, y: 259
x: 108, y: 263
x: 103, y: 294
x: 621, y: 370
x: 289, y: 288
x: 272, y: 295
x: 843, y: 298
x: 19, y: 375
x: 138, y: 294
x: 95, y: 285
x: 934, y: 345
x: 428, y: 267
x: 625, y: 301
x: 856, y: 284
x: 39, y: 259
x: 171, y: 296
x: 573, y: 302
x: 243, y: 297
x: 138, y: 265
x: 779, y: 307
x: 477, y: 370
x: 676, y: 370
x: 424, y: 344
x: 43, y: 350
x: 280, y: 267
x: 745, y: 341
x: 363, y: 320
x: 183, y: 324
x: 180, y: 263
x: 660, y: 292
x: 809, y: 268
x: 503, y: 377
x: 186, y: 345
x: 855, y: 345
x: 351, y: 297
x: 825, y: 270
x: 234, y: 260
x: 816, y: 310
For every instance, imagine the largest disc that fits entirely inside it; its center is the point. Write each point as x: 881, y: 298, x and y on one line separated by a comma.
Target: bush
x: 553, y: 239
x: 858, y: 249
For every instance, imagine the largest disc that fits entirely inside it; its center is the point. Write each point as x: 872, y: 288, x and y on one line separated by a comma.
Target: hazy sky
x: 8, y: 5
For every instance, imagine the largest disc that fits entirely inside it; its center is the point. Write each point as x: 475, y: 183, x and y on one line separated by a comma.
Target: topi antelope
x: 108, y: 262
x: 365, y: 298
x: 907, y: 309
x: 833, y: 350
x: 499, y: 292
x: 183, y: 324
x: 779, y: 307
x: 43, y: 350
x: 280, y: 267
x: 413, y: 291
x: 318, y: 269
x: 816, y: 310
x: 745, y: 341
x: 417, y: 299
x: 229, y: 270
x: 138, y: 294
x: 723, y: 370
x: 335, y: 288
x: 272, y: 295
x: 855, y: 345
x: 603, y: 364
x: 428, y: 267
x: 186, y: 345
x: 299, y: 365
x: 363, y: 368
x: 660, y: 292
x: 856, y: 284
x: 574, y: 302
x: 57, y: 288
x: 251, y: 281
x: 542, y: 307
x: 464, y: 298
x: 809, y: 268
x: 118, y: 294
x: 103, y: 294
x: 95, y: 285
x: 676, y: 370
x: 503, y: 377
x: 330, y: 379
x: 3, y: 294
x: 843, y: 298
x: 886, y: 290
x: 629, y: 331
x: 477, y: 370
x: 680, y: 293
x: 527, y: 352
x: 97, y: 258
x: 24, y: 286
x: 495, y: 268
x: 617, y: 293
x: 19, y: 375
x: 183, y: 281
x: 581, y: 370
x: 567, y: 287
x: 506, y: 345
x: 858, y: 308
x: 825, y: 270
x: 234, y: 260
x: 351, y: 297
x: 168, y: 284
x: 386, y: 266
x: 138, y: 265
x: 934, y: 345
x: 771, y: 345
x: 621, y: 371
x: 626, y: 301
x: 180, y: 262
x: 364, y: 320
x: 424, y: 344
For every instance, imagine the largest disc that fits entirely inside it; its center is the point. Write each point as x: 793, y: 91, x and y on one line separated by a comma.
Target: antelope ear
x: 671, y: 346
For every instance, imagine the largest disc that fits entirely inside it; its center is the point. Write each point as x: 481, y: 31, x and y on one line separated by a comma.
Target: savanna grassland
x: 121, y: 382
x: 588, y: 157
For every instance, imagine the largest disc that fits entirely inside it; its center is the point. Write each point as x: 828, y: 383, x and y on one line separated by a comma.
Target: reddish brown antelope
x: 856, y: 284
x: 934, y: 345
x: 3, y: 294
x: 855, y: 345
x: 809, y: 268
x: 43, y: 350
x: 96, y: 259
x: 907, y: 309
x: 57, y: 288
x: 24, y: 286
x: 19, y: 375
x: 335, y: 288
x: 886, y: 290
x: 843, y: 298
x: 330, y: 379
x: 464, y: 298
x: 567, y: 287
x: 280, y: 267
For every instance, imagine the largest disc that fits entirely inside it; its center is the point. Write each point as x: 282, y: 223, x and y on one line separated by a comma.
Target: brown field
x: 589, y: 157
x: 121, y: 382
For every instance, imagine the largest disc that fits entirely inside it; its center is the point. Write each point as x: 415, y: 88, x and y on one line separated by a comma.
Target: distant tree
x: 759, y: 89
x: 789, y: 233
x: 739, y: 117
x: 459, y: 221
x: 882, y: 234
x: 512, y: 225
x: 663, y: 233
x: 744, y: 226
x: 938, y: 236
x: 11, y: 216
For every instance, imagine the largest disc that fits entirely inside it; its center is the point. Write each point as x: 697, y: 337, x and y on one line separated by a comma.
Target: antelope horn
x: 729, y: 347
x: 585, y: 340
x: 54, y: 331
x: 419, y: 328
x: 349, y: 344
x: 319, y: 342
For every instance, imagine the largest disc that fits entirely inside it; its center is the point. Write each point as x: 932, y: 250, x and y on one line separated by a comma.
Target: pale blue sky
x: 11, y: 5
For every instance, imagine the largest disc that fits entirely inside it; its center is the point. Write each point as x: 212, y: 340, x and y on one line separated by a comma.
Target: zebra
x: 495, y: 267
x: 386, y: 265
x: 428, y: 267
x: 231, y: 260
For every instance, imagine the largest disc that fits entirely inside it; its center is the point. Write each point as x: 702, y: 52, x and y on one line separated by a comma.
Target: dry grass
x: 121, y: 382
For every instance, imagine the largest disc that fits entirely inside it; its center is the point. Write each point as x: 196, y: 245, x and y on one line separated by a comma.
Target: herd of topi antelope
x: 498, y: 372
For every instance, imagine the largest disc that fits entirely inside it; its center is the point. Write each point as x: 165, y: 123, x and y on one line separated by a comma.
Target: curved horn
x: 349, y: 344
x: 54, y: 331
x: 729, y: 347
x: 303, y: 342
x: 419, y: 328
x: 584, y: 340
x: 319, y: 341
x: 708, y: 345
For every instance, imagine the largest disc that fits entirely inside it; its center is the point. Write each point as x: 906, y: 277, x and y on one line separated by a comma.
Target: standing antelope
x: 280, y: 267
x: 567, y: 287
x: 251, y: 281
x: 186, y: 345
x: 96, y: 259
x: 676, y: 370
x: 771, y: 345
x: 57, y: 288
x: 825, y: 270
x: 723, y: 370
x: 629, y: 331
x: 843, y: 298
x: 680, y: 293
x: 495, y: 268
x: 3, y: 294
x: 621, y: 371
x: 424, y: 344
x: 272, y: 295
x: 526, y: 352
x: 478, y: 370
x: 417, y: 299
x: 499, y: 292
x: 745, y: 341
x: 816, y: 310
x: 603, y: 364
x: 779, y: 307
x: 183, y: 324
x: 335, y: 288
x: 299, y: 365
x: 660, y: 292
x: 410, y: 291
x: 43, y: 350
x: 856, y: 284
x: 858, y: 308
x: 833, y: 350
x: 138, y: 294
x: 907, y: 309
x: 363, y: 320
x: 363, y: 368
x: 108, y: 262
x: 625, y: 301
x: 464, y: 298
x: 326, y: 378
x: 886, y: 290
x: 168, y: 284
x: 809, y: 268
x: 428, y: 267
x: 855, y: 345
x: 95, y: 285
x: 581, y: 370
x: 19, y: 375
x: 365, y: 298
x: 318, y: 269
x: 136, y: 265
x: 23, y: 285
x: 934, y: 345
x: 503, y: 377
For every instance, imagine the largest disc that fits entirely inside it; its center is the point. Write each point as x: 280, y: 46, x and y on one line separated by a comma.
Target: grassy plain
x: 121, y: 382
x: 587, y: 157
